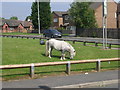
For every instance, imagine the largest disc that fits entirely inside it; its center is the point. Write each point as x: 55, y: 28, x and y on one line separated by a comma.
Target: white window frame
x: 55, y: 20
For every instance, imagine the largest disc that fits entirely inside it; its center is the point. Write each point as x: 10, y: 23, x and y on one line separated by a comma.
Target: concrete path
x: 58, y: 81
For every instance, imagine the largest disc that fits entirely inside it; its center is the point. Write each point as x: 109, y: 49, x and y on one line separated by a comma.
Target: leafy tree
x: 82, y: 15
x: 45, y: 15
x: 28, y: 17
x: 2, y: 18
x: 14, y: 18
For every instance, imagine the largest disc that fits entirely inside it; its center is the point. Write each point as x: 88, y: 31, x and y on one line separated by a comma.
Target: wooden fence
x: 67, y: 63
x: 98, y: 32
x: 38, y: 37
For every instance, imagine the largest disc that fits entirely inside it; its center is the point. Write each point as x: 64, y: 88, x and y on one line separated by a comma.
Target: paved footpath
x: 58, y: 81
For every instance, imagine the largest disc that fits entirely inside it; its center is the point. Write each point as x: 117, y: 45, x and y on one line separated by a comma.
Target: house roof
x: 95, y: 5
x: 60, y: 13
x: 14, y: 23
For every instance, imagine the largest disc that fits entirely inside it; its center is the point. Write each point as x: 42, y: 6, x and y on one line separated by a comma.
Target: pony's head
x: 72, y: 52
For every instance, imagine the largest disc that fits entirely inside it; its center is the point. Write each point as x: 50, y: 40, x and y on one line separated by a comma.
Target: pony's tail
x: 47, y: 48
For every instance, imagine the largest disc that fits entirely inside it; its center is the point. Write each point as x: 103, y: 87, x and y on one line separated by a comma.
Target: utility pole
x: 105, y: 24
x: 38, y: 15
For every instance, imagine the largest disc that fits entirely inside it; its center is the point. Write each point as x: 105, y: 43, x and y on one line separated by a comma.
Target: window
x: 11, y: 29
x: 73, y: 28
x: 55, y: 20
x: 6, y: 27
x: 115, y: 15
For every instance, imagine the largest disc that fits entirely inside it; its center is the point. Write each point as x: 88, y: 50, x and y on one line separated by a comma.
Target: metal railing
x: 73, y: 40
x: 67, y: 63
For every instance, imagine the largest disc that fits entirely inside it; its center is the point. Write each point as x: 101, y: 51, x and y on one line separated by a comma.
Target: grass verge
x: 25, y: 51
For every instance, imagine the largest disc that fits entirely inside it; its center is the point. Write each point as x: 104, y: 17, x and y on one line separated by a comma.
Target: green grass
x: 25, y: 51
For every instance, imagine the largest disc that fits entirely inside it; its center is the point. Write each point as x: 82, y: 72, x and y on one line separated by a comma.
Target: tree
x: 14, y: 18
x: 2, y: 18
x: 45, y: 15
x: 82, y: 15
x: 28, y: 18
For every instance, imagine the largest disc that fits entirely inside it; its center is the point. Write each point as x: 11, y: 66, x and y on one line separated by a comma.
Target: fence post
x: 96, y: 44
x: 98, y: 65
x: 73, y: 41
x: 68, y: 68
x: 32, y: 70
x: 84, y: 43
x: 109, y: 46
x: 33, y: 37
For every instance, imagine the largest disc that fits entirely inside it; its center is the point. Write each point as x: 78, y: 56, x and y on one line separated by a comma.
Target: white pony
x: 61, y: 46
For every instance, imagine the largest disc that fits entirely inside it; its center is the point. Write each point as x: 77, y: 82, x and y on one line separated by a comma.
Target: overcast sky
x: 23, y: 9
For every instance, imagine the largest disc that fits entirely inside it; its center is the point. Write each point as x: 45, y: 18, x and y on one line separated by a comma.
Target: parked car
x: 52, y: 33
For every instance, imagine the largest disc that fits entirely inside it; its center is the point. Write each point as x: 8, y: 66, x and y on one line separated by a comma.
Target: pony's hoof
x: 61, y: 59
x: 49, y: 57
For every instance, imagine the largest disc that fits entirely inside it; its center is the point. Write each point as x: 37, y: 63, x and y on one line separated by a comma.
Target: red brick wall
x: 111, y: 20
x: 20, y: 28
x: 55, y: 24
x: 5, y: 28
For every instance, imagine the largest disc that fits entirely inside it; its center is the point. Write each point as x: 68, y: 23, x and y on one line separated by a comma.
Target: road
x: 59, y: 81
x: 92, y: 39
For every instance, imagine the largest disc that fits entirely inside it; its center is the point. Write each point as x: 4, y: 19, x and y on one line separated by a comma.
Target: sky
x: 23, y: 9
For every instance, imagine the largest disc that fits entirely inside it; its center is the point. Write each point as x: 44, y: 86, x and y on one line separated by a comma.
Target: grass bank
x: 25, y: 51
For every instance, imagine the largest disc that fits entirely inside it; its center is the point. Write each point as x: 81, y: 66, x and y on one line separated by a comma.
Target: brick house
x: 118, y: 15
x: 16, y: 26
x: 111, y: 13
x: 61, y: 19
x: 97, y: 7
x: 58, y: 18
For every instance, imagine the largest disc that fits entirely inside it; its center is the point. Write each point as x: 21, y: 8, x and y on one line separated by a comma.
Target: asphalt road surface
x: 58, y: 81
x: 92, y: 39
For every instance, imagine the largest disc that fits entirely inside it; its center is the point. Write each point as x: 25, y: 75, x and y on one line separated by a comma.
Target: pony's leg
x: 47, y: 48
x: 63, y: 56
x: 49, y: 52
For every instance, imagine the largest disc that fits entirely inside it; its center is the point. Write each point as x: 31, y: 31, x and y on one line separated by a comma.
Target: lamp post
x: 105, y: 24
x: 38, y: 16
